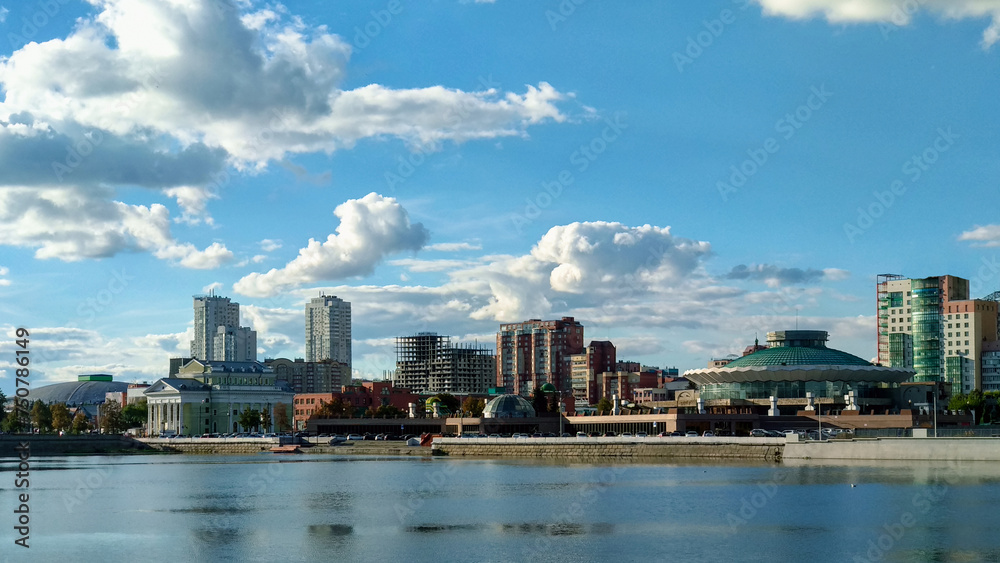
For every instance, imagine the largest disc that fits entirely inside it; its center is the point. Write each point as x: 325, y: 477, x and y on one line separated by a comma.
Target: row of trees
x: 984, y: 406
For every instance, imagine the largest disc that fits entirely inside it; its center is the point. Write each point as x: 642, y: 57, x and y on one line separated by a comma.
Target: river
x: 340, y: 508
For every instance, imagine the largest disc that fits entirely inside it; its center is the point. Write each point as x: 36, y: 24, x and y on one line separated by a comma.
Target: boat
x: 290, y: 449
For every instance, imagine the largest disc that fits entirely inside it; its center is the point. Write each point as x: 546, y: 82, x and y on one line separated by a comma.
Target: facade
x: 210, y: 396
x: 218, y: 335
x: 991, y: 366
x: 931, y: 325
x: 624, y: 383
x: 535, y: 352
x: 599, y: 357
x: 358, y: 397
x: 328, y: 330
x: 324, y: 376
x: 796, y: 369
x: 429, y: 363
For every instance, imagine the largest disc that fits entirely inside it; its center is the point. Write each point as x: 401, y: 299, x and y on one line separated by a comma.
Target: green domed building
x: 794, y: 370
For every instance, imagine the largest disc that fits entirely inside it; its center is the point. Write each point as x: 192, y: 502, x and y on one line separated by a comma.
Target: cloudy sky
x: 679, y: 176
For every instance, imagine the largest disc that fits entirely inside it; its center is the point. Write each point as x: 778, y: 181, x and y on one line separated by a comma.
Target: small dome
x: 509, y: 406
x: 548, y: 388
x: 431, y: 401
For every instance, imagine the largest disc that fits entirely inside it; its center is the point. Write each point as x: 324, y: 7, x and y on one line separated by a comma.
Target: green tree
x: 80, y: 422
x: 112, y: 421
x: 957, y: 402
x: 333, y: 409
x: 539, y: 401
x: 60, y: 417
x: 134, y: 415
x: 604, y: 406
x: 249, y: 419
x: 41, y: 416
x: 473, y: 406
x: 281, y: 417
x: 13, y: 423
x: 389, y: 411
x: 265, y: 420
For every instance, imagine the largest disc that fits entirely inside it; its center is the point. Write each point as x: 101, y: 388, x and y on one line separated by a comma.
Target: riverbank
x: 768, y: 449
x: 899, y: 449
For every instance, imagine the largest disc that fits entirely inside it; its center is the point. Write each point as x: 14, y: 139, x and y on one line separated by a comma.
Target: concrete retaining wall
x: 922, y: 449
x: 51, y: 444
x: 731, y: 448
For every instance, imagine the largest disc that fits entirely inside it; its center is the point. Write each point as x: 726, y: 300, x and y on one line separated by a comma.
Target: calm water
x: 315, y: 508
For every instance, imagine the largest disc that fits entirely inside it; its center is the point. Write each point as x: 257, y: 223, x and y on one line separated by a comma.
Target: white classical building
x: 209, y: 397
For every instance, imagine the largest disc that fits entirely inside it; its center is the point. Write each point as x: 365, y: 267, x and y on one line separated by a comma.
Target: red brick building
x: 535, y: 352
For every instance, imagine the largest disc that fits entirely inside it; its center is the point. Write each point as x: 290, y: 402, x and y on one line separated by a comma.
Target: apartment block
x: 429, y: 363
x: 597, y: 358
x: 326, y: 376
x: 218, y: 335
x: 328, y: 330
x: 535, y: 352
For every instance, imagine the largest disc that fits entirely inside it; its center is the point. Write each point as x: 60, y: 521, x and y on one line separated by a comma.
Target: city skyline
x: 678, y: 178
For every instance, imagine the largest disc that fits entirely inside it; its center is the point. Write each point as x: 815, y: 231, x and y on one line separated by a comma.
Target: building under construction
x: 428, y: 363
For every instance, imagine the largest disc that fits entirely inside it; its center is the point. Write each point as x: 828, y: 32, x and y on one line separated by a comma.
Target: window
x: 966, y: 316
x: 966, y: 325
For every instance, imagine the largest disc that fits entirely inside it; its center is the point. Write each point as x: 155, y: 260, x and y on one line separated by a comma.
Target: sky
x: 681, y: 177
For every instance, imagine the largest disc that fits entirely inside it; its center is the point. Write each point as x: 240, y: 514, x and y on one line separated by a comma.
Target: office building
x: 429, y: 363
x: 535, y: 352
x: 326, y: 376
x: 932, y: 325
x: 328, y: 330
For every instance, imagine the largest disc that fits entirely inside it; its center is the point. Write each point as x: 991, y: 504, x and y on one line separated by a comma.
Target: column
x: 180, y: 417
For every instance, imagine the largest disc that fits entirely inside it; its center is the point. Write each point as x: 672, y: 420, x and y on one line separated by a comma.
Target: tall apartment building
x: 599, y: 357
x: 327, y: 376
x: 218, y: 335
x: 931, y: 325
x: 429, y: 363
x: 328, y: 330
x: 535, y: 352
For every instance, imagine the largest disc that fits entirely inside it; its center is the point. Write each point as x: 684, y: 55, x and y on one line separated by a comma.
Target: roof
x: 75, y: 393
x: 508, y: 406
x: 798, y: 356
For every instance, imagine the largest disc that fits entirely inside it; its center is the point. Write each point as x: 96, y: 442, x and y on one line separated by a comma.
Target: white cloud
x: 3, y: 14
x: 193, y: 202
x: 893, y: 12
x: 453, y: 246
x: 985, y: 235
x: 775, y: 276
x: 370, y: 229
x: 269, y: 245
x: 260, y: 85
x: 188, y: 256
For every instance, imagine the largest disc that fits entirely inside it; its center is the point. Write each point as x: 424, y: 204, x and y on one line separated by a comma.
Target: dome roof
x: 509, y: 406
x: 798, y: 356
x: 77, y: 393
x: 548, y: 388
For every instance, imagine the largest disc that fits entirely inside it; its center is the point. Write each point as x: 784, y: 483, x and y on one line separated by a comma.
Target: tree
x: 553, y: 402
x: 3, y: 405
x: 41, y: 416
x: 604, y: 406
x: 135, y: 415
x: 249, y: 419
x: 61, y: 419
x: 265, y: 419
x: 957, y: 402
x: 281, y: 417
x: 13, y: 423
x: 539, y: 401
x: 112, y: 421
x: 80, y: 422
x: 333, y: 409
x: 389, y: 411
x: 473, y: 406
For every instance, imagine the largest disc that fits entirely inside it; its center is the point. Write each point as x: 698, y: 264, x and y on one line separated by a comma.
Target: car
x: 641, y: 435
x: 691, y: 434
x: 626, y: 434
x: 565, y: 435
x: 355, y: 437
x: 610, y: 434
x: 676, y: 433
x: 380, y: 437
x: 494, y: 435
x: 594, y: 434
x: 758, y: 433
x: 581, y: 434
x: 708, y: 434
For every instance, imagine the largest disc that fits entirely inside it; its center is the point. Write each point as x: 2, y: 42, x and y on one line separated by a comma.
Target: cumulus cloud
x: 985, y: 235
x: 259, y: 84
x: 775, y: 276
x: 193, y: 202
x: 268, y: 245
x: 894, y: 12
x: 4, y: 271
x: 453, y: 246
x: 72, y: 224
x: 370, y: 229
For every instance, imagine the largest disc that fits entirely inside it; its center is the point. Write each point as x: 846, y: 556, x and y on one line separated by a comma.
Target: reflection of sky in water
x: 243, y: 508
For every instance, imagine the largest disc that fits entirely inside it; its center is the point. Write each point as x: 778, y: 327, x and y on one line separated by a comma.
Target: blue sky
x: 678, y: 176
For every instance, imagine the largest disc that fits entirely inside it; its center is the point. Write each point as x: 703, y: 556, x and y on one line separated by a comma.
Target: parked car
x: 565, y: 435
x: 494, y: 435
x: 641, y: 434
x: 355, y: 437
x: 758, y: 433
x: 581, y: 434
x: 708, y: 434
x: 691, y: 434
x: 610, y: 434
x: 626, y: 434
